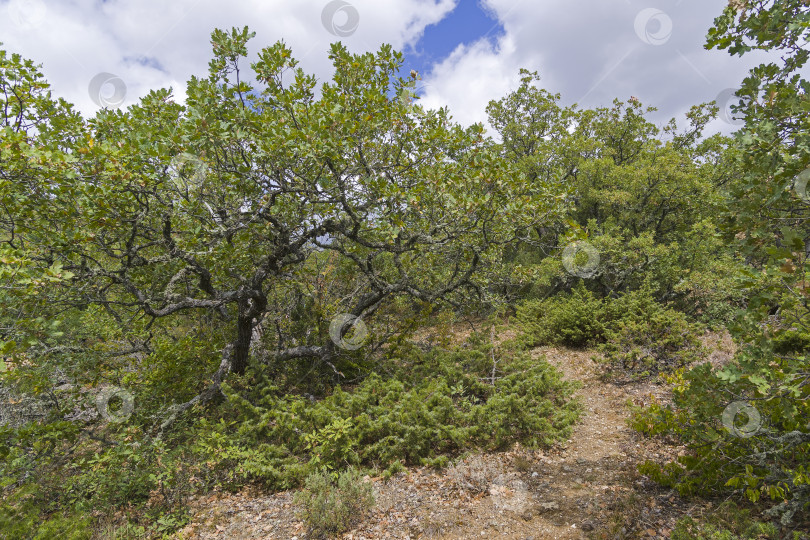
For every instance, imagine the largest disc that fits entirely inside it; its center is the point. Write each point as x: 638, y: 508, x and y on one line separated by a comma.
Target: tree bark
x: 241, y: 347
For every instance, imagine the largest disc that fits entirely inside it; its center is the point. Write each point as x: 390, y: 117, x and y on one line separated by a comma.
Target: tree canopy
x: 247, y: 202
x: 263, y: 285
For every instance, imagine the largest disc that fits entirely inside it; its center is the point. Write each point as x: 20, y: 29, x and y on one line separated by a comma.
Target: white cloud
x: 472, y: 76
x: 587, y: 50
x: 590, y: 52
x: 153, y: 43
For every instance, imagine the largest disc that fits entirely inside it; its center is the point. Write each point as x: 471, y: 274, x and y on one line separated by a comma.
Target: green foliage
x: 637, y: 335
x: 329, y: 507
x: 645, y: 198
x: 396, y: 467
x: 23, y: 520
x: 300, y: 202
x: 645, y: 338
x: 760, y: 453
x: 291, y: 202
x: 44, y: 492
x: 535, y: 133
x: 171, y: 372
x: 435, y: 404
x: 136, y: 477
x: 765, y: 214
x: 791, y: 341
x: 576, y: 319
x: 277, y: 201
x: 726, y: 522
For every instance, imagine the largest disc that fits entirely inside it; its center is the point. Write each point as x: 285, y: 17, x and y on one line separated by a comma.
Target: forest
x: 314, y: 290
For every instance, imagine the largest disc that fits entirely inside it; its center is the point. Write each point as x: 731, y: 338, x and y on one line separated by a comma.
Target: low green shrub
x: 416, y: 408
x: 637, y: 335
x: 433, y: 405
x: 727, y: 522
x: 745, y: 428
x: 791, y: 341
x: 57, y: 482
x: 660, y: 342
x: 27, y: 513
x: 332, y: 507
x: 576, y: 319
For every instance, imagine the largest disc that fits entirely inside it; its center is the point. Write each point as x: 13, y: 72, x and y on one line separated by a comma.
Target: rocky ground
x: 586, y: 488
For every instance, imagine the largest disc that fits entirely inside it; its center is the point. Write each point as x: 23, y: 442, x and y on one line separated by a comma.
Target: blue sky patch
x: 467, y: 23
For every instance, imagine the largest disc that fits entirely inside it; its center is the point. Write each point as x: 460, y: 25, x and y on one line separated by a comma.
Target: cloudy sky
x: 468, y: 51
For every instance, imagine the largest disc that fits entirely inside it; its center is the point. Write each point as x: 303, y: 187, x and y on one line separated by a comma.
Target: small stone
x: 535, y: 474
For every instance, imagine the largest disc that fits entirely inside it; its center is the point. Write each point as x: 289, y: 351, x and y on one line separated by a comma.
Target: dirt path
x: 587, y: 488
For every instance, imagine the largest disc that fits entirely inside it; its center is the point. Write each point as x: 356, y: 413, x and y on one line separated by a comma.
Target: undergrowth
x: 330, y: 506
x: 65, y: 480
x: 637, y: 336
x: 435, y: 406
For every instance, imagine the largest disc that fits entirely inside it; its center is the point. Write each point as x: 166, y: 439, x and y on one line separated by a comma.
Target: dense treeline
x: 237, y: 290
